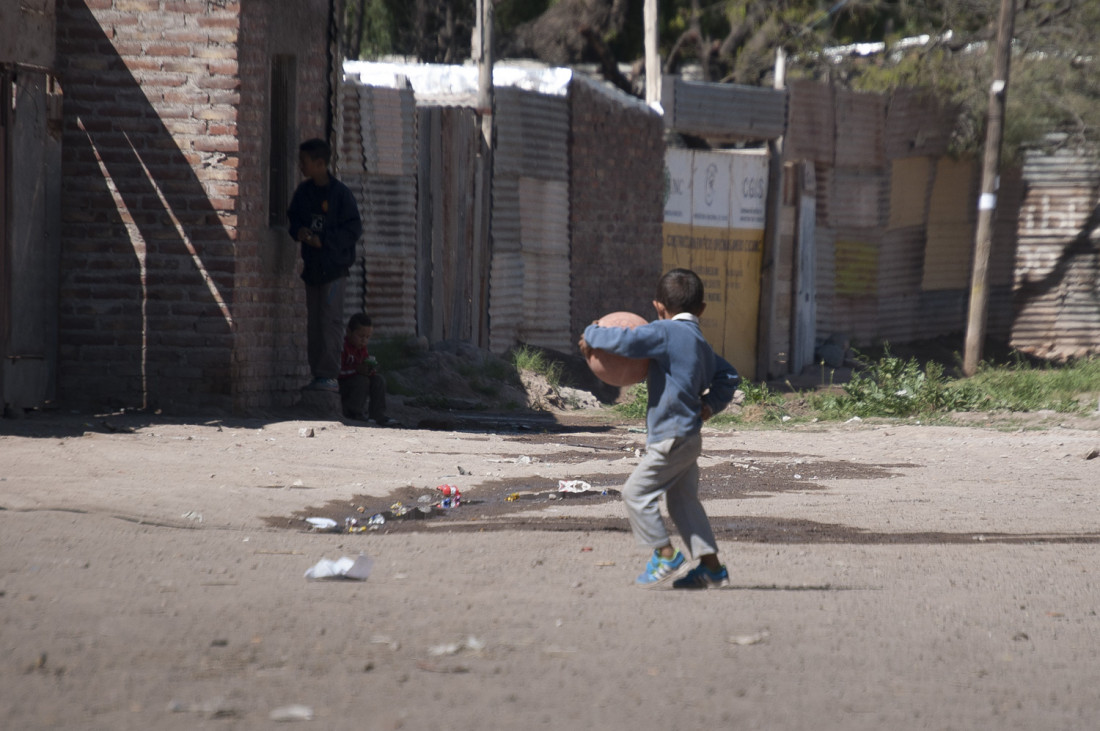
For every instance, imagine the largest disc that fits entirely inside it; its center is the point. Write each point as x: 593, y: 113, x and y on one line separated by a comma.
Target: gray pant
x: 669, y: 468
x: 325, y: 327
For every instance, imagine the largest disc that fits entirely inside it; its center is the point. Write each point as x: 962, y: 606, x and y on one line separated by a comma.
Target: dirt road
x: 884, y: 576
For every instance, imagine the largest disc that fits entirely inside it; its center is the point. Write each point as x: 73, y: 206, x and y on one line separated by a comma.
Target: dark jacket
x: 339, y: 228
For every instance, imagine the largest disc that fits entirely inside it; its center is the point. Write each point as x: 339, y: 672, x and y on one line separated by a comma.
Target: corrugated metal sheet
x: 726, y: 112
x: 810, y: 131
x: 378, y: 163
x: 1057, y: 283
x: 388, y: 148
x: 544, y: 235
x: 860, y: 129
x: 859, y: 198
x: 531, y: 219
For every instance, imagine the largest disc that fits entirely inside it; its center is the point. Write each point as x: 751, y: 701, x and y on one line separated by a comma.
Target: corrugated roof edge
x: 440, y: 80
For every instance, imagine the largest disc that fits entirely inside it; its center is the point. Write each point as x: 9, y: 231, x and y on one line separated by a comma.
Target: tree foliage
x: 1054, y: 84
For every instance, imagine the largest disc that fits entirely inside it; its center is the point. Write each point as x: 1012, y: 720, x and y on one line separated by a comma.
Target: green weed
x: 526, y: 358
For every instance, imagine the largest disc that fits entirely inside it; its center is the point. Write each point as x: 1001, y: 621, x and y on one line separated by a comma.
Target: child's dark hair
x: 357, y: 321
x: 317, y: 149
x: 681, y: 290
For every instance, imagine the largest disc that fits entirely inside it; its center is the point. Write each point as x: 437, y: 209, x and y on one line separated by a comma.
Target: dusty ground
x: 885, y: 576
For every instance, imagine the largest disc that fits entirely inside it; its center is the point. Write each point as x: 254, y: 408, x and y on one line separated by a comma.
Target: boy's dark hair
x: 357, y: 321
x: 317, y: 149
x: 681, y: 290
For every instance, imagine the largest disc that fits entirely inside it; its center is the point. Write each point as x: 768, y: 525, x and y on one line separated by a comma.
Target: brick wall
x: 172, y: 287
x: 617, y: 159
x: 269, y: 360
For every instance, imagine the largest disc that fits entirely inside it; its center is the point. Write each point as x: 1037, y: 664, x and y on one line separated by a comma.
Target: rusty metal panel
x: 860, y: 129
x: 1057, y: 282
x: 917, y: 124
x: 811, y: 129
x: 727, y: 112
x: 27, y: 33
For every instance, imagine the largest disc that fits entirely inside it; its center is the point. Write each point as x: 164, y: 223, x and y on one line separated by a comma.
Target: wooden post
x: 769, y: 271
x: 987, y: 202
x: 652, y: 55
x: 483, y: 178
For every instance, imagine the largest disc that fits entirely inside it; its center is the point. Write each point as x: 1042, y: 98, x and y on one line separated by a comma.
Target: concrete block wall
x: 172, y: 295
x: 617, y: 189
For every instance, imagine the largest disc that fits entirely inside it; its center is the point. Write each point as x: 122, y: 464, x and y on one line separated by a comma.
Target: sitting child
x: 360, y: 381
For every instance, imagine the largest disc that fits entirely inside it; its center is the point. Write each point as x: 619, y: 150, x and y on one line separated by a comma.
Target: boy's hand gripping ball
x: 618, y: 370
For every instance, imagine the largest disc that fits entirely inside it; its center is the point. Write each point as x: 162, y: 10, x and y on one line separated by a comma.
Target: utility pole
x: 987, y: 202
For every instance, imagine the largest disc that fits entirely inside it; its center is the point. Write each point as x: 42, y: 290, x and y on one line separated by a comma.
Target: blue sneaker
x: 701, y: 577
x: 323, y: 384
x: 659, y: 570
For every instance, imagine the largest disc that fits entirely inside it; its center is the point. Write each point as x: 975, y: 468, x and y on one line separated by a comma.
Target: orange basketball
x: 618, y: 370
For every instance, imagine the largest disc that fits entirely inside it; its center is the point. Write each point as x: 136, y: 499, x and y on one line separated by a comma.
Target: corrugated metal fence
x: 529, y: 294
x: 378, y: 161
x: 895, y: 216
x: 1057, y: 278
x: 413, y: 169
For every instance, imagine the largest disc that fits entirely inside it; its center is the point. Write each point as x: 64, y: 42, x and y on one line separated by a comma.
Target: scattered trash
x: 471, y: 643
x: 452, y: 498
x: 753, y: 639
x: 854, y: 420
x: 586, y: 549
x: 513, y: 497
x: 321, y: 524
x: 193, y: 516
x: 292, y: 713
x: 305, y: 431
x: 462, y: 471
x: 1092, y: 453
x: 217, y: 708
x: 344, y: 567
x: 573, y: 486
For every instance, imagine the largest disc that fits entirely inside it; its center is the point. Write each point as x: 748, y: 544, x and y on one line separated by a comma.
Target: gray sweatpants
x: 325, y: 327
x: 669, y: 468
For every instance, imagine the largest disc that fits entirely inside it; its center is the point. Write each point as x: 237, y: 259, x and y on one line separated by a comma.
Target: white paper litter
x: 573, y: 486
x: 342, y: 568
x: 322, y: 523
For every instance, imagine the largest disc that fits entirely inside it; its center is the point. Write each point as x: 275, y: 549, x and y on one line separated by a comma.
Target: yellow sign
x: 714, y: 225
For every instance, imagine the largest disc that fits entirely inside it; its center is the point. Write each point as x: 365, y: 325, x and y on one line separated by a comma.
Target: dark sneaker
x: 659, y: 570
x: 323, y: 384
x: 701, y: 577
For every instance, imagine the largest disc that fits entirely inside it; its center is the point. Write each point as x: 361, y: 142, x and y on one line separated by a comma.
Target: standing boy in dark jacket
x: 688, y: 383
x: 324, y: 218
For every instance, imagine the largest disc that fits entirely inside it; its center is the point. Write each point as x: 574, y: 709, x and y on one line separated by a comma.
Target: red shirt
x: 351, y: 358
